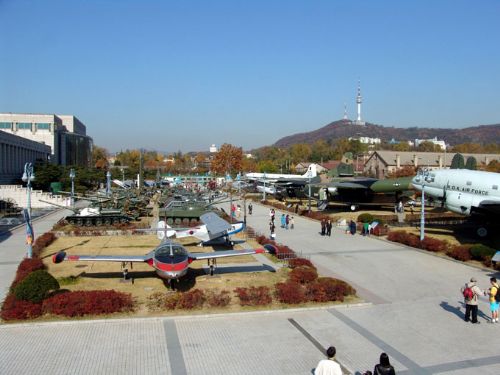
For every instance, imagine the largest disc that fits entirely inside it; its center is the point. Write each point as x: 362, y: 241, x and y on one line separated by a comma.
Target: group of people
x: 286, y: 222
x: 331, y: 367
x: 326, y: 227
x: 471, y: 291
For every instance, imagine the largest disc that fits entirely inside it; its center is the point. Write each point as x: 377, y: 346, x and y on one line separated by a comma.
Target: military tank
x: 95, y: 216
x: 184, y: 212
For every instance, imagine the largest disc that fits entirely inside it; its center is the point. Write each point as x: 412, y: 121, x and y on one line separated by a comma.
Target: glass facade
x: 24, y: 125
x: 42, y: 126
x: 5, y: 125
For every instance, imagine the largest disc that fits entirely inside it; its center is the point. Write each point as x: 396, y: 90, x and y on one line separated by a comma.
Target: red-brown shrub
x: 433, y: 244
x: 42, y: 242
x: 193, y: 299
x: 329, y: 289
x: 218, y: 299
x: 405, y: 238
x: 254, y: 296
x: 290, y: 292
x: 303, y: 274
x: 81, y: 303
x: 13, y: 309
x: 26, y: 267
x: 460, y: 252
x: 284, y: 252
x: 298, y: 262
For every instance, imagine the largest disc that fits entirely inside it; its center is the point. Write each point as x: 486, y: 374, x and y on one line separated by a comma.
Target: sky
x: 182, y: 75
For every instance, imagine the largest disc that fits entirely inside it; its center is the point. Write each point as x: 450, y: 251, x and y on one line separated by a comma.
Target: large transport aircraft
x: 170, y: 259
x: 470, y: 193
x: 272, y: 177
x: 360, y: 191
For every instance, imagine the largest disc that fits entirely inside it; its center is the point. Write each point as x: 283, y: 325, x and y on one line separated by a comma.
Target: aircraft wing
x: 216, y: 226
x: 226, y: 253
x: 489, y: 207
x: 62, y: 256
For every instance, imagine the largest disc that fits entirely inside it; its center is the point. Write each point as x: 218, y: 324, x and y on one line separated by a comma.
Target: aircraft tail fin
x: 312, y: 171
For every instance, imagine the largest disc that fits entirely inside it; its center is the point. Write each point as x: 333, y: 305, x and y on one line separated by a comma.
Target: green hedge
x: 36, y: 286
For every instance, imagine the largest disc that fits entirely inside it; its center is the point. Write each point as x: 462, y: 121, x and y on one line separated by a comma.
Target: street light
x: 28, y: 176
x: 72, y: 175
x: 264, y: 197
x: 108, y: 183
x: 309, y: 195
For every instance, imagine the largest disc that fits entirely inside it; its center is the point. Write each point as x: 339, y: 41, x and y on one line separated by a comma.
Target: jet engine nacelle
x: 458, y: 202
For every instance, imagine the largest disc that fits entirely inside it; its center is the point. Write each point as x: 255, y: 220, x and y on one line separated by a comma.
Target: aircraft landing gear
x: 126, y: 277
x: 482, y: 232
x: 171, y: 283
x: 212, y: 263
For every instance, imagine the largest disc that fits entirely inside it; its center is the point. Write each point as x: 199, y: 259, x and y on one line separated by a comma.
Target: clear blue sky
x: 172, y: 75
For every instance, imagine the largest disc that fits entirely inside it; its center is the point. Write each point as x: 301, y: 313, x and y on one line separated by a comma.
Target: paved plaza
x: 414, y: 312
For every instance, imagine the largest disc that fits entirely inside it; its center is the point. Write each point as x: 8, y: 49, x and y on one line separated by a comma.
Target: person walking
x: 470, y: 291
x: 352, y: 227
x: 271, y: 229
x: 292, y: 223
x: 329, y: 227
x: 238, y: 211
x: 283, y: 221
x: 494, y: 299
x: 287, y: 221
x: 323, y: 227
x: 384, y: 367
x: 250, y: 208
x: 366, y: 229
x: 328, y: 366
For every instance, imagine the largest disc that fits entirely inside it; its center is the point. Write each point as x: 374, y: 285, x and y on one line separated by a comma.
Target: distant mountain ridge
x: 482, y: 134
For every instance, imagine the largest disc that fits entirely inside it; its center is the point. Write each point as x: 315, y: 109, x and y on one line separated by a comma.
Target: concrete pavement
x: 415, y: 315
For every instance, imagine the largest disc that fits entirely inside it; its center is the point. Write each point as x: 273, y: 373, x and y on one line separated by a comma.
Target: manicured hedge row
x: 34, y: 292
x: 460, y: 252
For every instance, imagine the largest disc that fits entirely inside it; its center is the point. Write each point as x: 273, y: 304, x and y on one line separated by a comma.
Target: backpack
x: 497, y: 295
x: 468, y: 293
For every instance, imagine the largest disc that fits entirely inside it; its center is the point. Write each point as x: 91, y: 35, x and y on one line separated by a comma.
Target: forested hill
x: 482, y: 134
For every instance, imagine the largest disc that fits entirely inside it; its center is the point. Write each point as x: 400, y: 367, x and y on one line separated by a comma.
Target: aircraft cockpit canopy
x: 171, y: 253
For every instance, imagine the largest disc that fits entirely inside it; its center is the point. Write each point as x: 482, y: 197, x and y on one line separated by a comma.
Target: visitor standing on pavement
x: 494, y: 299
x: 323, y: 227
x: 271, y: 229
x: 283, y: 220
x: 250, y: 208
x: 352, y: 227
x: 292, y: 223
x: 287, y: 221
x: 384, y: 367
x: 470, y: 291
x: 329, y: 227
x: 366, y: 229
x: 238, y: 211
x: 328, y: 366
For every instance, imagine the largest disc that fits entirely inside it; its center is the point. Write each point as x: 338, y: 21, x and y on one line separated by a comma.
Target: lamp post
x: 72, y: 175
x: 309, y: 195
x: 264, y: 196
x: 108, y: 183
x: 28, y: 176
x: 422, y: 212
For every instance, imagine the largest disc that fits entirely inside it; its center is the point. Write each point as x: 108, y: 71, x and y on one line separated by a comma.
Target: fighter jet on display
x: 467, y: 192
x: 170, y: 259
x: 214, y: 231
x: 362, y: 191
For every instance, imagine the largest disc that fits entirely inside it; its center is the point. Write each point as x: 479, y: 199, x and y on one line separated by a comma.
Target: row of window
x: 25, y: 125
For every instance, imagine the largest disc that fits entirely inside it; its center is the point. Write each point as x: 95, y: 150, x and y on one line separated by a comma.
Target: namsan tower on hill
x: 359, y: 100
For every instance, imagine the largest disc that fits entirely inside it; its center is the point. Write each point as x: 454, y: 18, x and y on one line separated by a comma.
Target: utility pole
x: 422, y: 213
x: 264, y: 197
x: 309, y: 195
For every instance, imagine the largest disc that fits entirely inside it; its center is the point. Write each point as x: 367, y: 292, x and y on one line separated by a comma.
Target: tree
x: 100, y: 157
x: 471, y: 163
x: 457, y: 162
x: 227, y: 160
x: 427, y: 146
x: 266, y: 166
x: 300, y: 152
x: 321, y: 151
x: 493, y: 166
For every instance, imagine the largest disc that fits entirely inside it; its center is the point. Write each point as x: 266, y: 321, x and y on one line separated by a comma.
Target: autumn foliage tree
x: 99, y: 157
x: 227, y: 160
